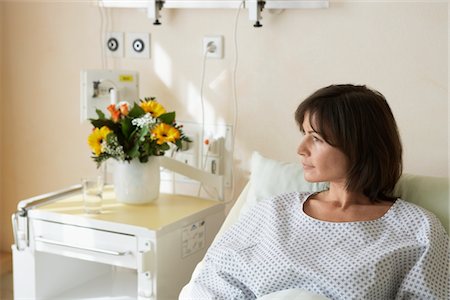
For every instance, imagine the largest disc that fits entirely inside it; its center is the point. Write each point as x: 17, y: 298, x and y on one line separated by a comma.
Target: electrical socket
x: 213, y: 165
x: 138, y: 45
x: 114, y: 44
x: 216, y: 51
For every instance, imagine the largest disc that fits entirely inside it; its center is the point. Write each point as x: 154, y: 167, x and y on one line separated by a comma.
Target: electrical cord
x: 235, y: 103
x: 235, y: 106
x: 102, y: 44
x: 107, y: 29
x: 202, y: 101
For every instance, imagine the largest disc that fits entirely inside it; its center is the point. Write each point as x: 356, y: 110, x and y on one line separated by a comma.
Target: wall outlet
x: 138, y: 45
x: 213, y: 165
x: 213, y: 46
x: 114, y: 44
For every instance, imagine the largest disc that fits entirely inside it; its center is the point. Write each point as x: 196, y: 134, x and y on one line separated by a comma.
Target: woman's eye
x: 316, y: 139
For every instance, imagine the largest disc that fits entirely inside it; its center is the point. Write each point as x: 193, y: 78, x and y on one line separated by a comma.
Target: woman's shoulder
x: 284, y: 200
x: 267, y: 210
x: 415, y: 218
x: 258, y: 220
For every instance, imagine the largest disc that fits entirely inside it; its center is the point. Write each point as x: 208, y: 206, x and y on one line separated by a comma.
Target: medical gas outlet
x: 100, y: 88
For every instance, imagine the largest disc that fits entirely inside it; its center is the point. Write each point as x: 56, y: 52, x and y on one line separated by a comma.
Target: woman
x: 352, y: 241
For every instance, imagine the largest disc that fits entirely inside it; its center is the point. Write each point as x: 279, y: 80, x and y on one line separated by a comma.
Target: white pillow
x: 270, y: 177
x: 293, y: 294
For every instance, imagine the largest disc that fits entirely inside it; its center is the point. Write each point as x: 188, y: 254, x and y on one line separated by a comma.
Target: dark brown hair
x: 358, y: 121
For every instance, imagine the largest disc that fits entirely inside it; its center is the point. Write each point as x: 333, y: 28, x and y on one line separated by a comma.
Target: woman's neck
x: 339, y: 205
x: 341, y: 198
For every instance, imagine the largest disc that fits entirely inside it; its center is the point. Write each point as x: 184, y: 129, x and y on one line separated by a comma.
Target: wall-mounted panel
x: 269, y: 4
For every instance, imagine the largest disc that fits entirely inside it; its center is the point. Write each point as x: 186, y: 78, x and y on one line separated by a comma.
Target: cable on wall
x: 108, y: 27
x: 102, y: 34
x: 202, y: 102
x: 235, y: 108
x: 235, y: 101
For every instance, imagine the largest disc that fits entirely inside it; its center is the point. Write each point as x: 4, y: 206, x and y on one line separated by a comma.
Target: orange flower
x: 115, y: 114
x: 124, y: 108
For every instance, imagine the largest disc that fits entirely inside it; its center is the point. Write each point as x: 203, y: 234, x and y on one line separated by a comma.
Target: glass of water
x: 92, y: 194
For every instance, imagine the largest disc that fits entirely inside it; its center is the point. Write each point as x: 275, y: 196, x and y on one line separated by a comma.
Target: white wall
x: 398, y: 48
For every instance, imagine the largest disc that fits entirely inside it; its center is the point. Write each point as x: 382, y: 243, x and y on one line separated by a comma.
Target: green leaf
x: 127, y: 127
x: 100, y: 114
x: 134, y: 151
x: 143, y: 132
x: 179, y: 144
x: 167, y: 118
x: 136, y: 111
x: 109, y: 138
x: 143, y: 159
x: 146, y: 148
x: 99, y: 123
x: 164, y: 147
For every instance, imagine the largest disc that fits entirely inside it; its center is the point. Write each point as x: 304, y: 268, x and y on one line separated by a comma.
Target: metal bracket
x: 153, y: 10
x: 255, y: 8
x: 24, y: 206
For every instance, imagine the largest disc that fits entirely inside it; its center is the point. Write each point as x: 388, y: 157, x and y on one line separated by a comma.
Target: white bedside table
x: 126, y: 252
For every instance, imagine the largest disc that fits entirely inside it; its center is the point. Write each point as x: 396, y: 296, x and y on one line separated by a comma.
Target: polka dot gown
x: 276, y: 246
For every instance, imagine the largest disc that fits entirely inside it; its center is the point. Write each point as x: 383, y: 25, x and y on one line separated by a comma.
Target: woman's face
x: 321, y: 161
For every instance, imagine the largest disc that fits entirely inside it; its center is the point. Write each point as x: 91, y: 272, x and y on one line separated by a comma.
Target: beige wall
x: 398, y: 48
x: 2, y: 200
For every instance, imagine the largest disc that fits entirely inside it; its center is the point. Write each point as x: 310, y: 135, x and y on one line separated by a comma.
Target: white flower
x: 145, y: 120
x: 113, y: 148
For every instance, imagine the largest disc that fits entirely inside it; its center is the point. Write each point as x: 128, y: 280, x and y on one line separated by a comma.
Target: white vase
x: 136, y: 182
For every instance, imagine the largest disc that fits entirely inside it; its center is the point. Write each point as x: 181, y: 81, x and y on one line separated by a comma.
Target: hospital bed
x: 431, y: 193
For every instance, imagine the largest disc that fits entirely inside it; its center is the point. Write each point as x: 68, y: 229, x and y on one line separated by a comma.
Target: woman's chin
x: 311, y: 178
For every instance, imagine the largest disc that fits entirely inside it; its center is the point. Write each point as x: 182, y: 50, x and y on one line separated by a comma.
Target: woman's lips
x: 307, y: 167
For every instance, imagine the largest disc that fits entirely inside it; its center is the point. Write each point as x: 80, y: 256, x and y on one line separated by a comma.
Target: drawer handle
x: 47, y: 241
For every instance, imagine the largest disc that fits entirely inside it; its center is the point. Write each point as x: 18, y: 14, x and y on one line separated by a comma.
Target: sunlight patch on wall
x: 194, y: 105
x: 221, y: 85
x: 163, y: 65
x: 193, y: 102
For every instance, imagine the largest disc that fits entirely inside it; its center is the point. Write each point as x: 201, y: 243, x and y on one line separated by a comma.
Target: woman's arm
x: 429, y: 278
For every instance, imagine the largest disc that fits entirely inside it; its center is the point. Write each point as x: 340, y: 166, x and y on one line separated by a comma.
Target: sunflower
x: 96, y: 138
x: 164, y: 133
x: 153, y: 107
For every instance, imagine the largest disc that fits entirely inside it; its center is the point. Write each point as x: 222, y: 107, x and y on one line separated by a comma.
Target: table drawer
x: 85, y: 243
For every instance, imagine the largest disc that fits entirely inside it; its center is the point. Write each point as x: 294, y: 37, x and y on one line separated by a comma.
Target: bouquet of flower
x: 137, y: 132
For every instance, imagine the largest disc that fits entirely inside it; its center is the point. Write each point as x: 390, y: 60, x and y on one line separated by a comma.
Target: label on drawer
x: 192, y: 238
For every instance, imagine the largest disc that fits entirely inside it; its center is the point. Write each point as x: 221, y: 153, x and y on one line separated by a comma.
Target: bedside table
x: 126, y: 252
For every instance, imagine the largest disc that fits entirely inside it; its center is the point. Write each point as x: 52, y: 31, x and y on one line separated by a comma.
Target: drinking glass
x: 92, y: 194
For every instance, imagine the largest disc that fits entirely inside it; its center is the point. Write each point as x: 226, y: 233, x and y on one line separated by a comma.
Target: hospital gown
x: 276, y: 246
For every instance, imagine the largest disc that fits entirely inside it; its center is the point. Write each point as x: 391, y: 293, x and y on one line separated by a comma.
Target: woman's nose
x: 301, y: 149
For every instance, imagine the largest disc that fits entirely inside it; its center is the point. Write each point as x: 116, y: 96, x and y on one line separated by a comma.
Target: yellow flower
x: 164, y: 133
x: 153, y: 107
x: 96, y: 138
